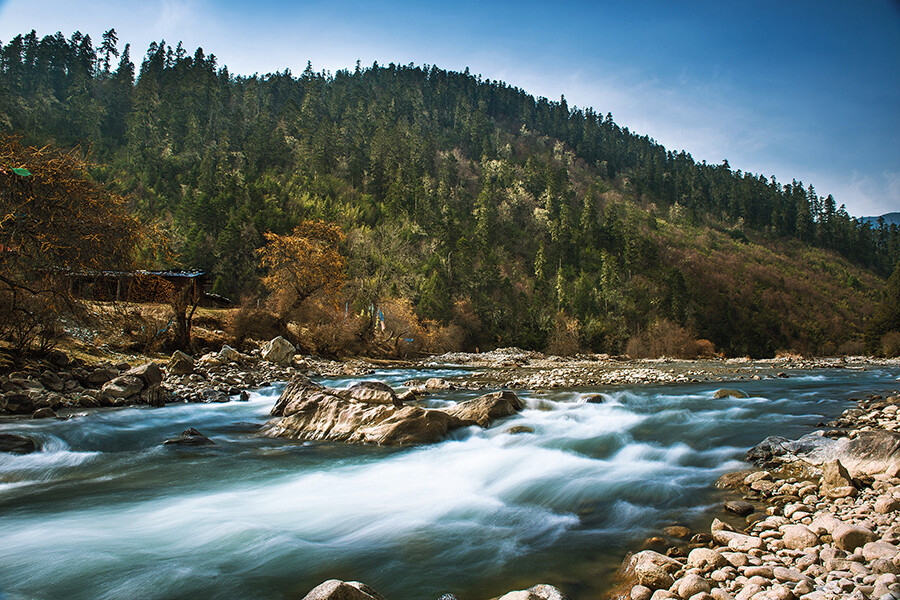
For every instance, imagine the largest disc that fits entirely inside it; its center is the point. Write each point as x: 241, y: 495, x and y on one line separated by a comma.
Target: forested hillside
x: 516, y: 220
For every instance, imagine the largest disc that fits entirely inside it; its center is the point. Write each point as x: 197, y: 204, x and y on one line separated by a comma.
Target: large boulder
x: 485, y: 409
x: 180, y: 364
x: 869, y: 453
x: 16, y: 403
x: 306, y: 410
x: 101, y: 375
x: 335, y: 589
x: 372, y: 392
x: 229, y: 354
x: 652, y: 569
x: 149, y: 373
x: 16, y: 444
x: 51, y: 381
x: 278, y: 351
x: 123, y: 386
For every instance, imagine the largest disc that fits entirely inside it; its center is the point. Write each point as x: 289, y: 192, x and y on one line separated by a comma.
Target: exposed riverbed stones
x: 812, y: 544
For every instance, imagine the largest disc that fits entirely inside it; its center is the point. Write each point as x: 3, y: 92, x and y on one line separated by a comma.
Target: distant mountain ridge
x: 889, y: 218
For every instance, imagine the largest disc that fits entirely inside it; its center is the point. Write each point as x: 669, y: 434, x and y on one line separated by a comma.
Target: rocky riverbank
x: 61, y: 384
x: 823, y: 522
x: 513, y: 368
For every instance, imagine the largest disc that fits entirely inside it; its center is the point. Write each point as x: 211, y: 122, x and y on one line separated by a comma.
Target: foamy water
x: 105, y: 512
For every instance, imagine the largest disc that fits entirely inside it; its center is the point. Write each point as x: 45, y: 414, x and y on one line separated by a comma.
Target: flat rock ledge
x: 371, y: 413
x: 828, y: 525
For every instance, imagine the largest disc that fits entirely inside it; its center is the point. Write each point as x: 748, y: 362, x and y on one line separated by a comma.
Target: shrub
x: 665, y: 338
x: 890, y: 344
x: 564, y: 338
x: 852, y: 348
x: 251, y: 322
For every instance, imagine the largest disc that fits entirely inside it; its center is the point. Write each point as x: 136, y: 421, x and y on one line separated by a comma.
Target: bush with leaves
x: 55, y: 222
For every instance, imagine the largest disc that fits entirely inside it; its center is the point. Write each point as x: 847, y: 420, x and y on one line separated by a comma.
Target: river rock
x: 879, y: 550
x: 542, y: 591
x: 726, y: 393
x: 16, y: 444
x: 149, y: 373
x: 229, y: 354
x: 850, y: 537
x: 485, y: 409
x: 44, y: 413
x: 278, y: 351
x: 101, y: 375
x: 58, y: 359
x: 224, y: 356
x: 335, y: 589
x: 190, y: 437
x: 887, y: 504
x: 180, y: 364
x: 17, y: 403
x: 798, y: 537
x: 435, y: 383
x: 834, y: 475
x: 306, y: 410
x: 690, y: 585
x: 640, y: 592
x: 372, y: 392
x: 825, y: 523
x: 652, y: 569
x: 51, y: 381
x: 705, y: 559
x: 520, y: 429
x: 868, y: 453
x: 789, y: 575
x: 739, y: 507
x: 123, y: 386
x: 677, y: 531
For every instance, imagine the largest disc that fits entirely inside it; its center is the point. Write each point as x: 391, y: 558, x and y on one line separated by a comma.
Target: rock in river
x: 306, y: 410
x: 17, y: 444
x: 190, y: 437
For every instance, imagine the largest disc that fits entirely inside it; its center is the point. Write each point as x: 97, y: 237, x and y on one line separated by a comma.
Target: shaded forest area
x: 471, y: 214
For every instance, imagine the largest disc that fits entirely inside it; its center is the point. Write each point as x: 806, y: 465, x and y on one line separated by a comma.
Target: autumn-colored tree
x: 55, y: 221
x: 306, y: 262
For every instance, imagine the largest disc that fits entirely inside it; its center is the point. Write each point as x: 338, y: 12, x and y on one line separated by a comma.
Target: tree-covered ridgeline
x: 466, y: 196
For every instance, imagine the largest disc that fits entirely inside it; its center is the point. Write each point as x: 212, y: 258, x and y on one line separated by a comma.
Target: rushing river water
x: 105, y: 512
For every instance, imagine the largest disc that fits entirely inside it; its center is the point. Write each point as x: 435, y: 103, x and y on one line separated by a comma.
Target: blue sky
x: 806, y: 90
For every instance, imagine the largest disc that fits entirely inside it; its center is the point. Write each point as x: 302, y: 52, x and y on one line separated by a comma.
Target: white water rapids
x: 104, y: 511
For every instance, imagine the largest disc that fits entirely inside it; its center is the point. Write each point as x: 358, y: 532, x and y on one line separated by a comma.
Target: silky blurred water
x: 104, y: 511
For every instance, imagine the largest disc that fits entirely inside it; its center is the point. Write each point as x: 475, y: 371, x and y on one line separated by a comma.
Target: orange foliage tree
x: 55, y: 221
x: 306, y: 262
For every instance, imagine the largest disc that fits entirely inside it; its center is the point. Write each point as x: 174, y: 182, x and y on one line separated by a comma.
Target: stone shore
x: 827, y: 532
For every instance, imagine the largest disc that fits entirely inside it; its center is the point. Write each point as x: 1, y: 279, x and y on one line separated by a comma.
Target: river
x: 104, y: 511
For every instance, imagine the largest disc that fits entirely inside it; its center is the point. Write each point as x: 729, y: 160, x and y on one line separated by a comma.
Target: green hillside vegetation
x: 474, y: 214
